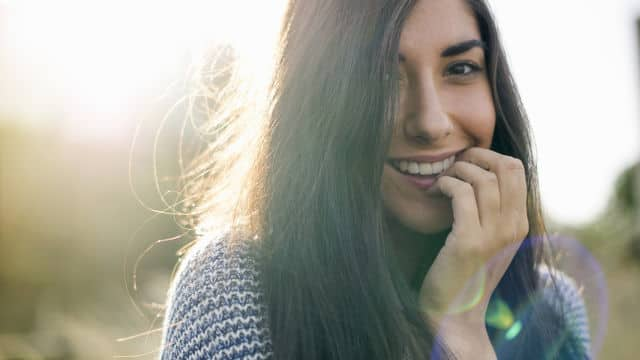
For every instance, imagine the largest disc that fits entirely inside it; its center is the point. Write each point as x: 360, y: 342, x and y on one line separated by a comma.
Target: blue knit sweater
x: 216, y: 310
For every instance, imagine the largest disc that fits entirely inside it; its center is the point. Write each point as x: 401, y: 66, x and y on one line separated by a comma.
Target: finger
x: 510, y: 173
x: 486, y: 189
x: 463, y: 203
x: 512, y: 187
x: 484, y: 158
x: 515, y: 199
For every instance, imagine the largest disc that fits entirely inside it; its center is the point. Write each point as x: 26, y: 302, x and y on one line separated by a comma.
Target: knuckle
x: 446, y: 182
x: 490, y: 178
x: 465, y: 185
x: 466, y: 188
x: 458, y: 184
x: 444, y: 179
x: 513, y: 164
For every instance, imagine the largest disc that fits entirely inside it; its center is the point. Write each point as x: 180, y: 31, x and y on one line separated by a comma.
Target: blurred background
x: 91, y: 110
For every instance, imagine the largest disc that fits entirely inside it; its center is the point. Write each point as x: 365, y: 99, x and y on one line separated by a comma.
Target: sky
x: 575, y: 63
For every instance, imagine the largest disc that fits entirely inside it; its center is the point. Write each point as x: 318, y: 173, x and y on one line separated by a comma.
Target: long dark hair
x: 305, y: 188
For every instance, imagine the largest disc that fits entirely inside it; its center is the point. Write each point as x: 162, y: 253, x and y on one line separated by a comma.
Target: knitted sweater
x: 215, y: 308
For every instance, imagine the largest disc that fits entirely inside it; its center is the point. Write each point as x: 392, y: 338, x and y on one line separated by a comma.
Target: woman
x: 383, y: 207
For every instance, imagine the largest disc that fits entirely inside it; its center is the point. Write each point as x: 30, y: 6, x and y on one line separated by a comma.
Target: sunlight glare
x: 98, y: 62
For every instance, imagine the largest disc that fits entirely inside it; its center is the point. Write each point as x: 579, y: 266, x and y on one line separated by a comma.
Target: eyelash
x: 474, y: 68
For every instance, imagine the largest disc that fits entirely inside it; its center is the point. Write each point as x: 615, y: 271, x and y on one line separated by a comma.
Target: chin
x: 429, y: 218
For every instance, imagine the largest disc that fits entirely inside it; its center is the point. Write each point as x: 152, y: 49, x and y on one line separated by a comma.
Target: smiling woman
x: 381, y: 204
x: 445, y: 107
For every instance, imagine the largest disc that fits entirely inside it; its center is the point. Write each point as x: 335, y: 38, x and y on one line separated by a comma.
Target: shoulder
x: 564, y: 295
x: 214, y: 306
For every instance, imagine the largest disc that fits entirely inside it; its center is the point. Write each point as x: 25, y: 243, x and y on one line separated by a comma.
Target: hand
x: 488, y: 193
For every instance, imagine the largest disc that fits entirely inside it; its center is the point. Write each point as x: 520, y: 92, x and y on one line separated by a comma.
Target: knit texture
x: 215, y: 307
x: 571, y: 304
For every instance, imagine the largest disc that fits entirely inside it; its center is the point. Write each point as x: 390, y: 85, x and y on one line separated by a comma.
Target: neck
x: 415, y: 252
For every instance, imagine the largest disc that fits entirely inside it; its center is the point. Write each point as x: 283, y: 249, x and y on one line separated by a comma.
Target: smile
x: 423, y: 168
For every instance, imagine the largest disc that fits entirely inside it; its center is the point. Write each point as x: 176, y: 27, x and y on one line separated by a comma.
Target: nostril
x: 428, y: 131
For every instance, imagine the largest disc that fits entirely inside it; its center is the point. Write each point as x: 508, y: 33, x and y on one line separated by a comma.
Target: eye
x: 462, y: 69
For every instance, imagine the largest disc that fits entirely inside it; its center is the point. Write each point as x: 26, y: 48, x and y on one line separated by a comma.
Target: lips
x: 422, y: 171
x: 422, y: 182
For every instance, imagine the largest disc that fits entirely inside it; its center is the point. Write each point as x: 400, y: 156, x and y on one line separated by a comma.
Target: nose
x: 428, y: 120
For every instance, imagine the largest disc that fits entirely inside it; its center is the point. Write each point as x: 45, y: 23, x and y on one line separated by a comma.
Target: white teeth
x: 448, y: 162
x: 426, y: 169
x: 404, y: 165
x: 437, y: 167
x: 415, y: 168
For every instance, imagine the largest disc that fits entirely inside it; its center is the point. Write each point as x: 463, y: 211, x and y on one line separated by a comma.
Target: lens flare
x: 513, y: 331
x: 471, y: 294
x: 572, y: 278
x: 579, y: 265
x: 499, y: 315
x: 571, y: 284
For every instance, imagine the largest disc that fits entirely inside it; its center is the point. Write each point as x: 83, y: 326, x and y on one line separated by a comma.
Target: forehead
x: 436, y: 24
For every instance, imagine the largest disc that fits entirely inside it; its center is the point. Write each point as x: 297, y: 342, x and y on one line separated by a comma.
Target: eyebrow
x: 463, y: 47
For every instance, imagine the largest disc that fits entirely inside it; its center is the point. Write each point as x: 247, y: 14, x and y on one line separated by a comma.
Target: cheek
x: 476, y: 114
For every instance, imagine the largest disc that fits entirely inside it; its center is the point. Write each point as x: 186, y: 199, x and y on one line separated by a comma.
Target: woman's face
x: 445, y: 106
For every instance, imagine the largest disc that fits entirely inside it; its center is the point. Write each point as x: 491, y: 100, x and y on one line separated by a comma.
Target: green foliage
x: 625, y: 192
